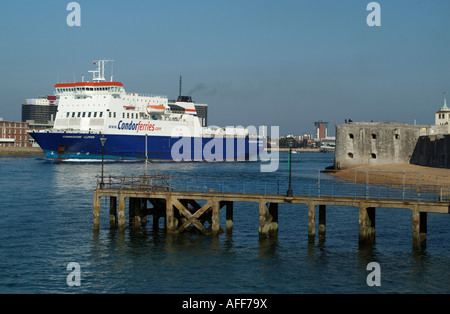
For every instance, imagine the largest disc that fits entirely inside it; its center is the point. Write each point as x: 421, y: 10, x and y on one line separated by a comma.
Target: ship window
x: 123, y: 115
x: 128, y: 115
x: 101, y: 114
x: 67, y: 115
x: 109, y: 114
x: 89, y: 114
x: 73, y: 114
x: 95, y: 114
x: 84, y: 114
x: 79, y: 114
x: 114, y: 114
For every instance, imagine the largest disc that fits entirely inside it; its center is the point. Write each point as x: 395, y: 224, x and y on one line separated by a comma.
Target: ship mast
x: 99, y: 74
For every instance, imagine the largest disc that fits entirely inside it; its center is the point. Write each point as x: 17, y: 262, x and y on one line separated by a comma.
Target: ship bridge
x: 99, y: 84
x: 88, y: 88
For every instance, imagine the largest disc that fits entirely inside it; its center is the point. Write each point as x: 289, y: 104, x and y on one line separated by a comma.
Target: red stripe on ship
x: 89, y: 84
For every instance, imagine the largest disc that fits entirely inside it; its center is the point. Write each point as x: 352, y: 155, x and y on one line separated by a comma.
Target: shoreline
x: 408, y: 174
x: 298, y: 150
x: 21, y: 151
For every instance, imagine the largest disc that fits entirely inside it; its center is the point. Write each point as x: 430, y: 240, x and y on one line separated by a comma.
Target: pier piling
x: 215, y: 226
x: 419, y: 228
x: 112, y: 212
x: 121, y: 215
x: 228, y: 216
x: 96, y: 212
x: 171, y: 221
x: 268, y: 219
x: 158, y: 211
x: 311, y: 221
x: 366, y: 224
x: 322, y: 222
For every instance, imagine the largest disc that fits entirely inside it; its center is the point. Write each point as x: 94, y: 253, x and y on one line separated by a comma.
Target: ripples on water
x: 47, y: 223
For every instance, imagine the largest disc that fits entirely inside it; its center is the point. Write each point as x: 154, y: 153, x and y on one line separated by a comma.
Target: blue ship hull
x: 64, y: 146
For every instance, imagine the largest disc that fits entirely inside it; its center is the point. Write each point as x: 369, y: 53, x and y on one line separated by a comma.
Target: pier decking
x: 179, y: 200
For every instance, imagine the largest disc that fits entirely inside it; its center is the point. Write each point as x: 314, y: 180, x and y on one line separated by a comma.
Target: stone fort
x: 377, y: 143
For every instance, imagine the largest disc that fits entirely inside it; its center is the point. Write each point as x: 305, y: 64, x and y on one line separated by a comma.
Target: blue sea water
x: 46, y: 223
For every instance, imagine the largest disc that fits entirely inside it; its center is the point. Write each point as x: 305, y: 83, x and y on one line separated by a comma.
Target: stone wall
x: 374, y: 143
x: 432, y: 151
x: 20, y: 151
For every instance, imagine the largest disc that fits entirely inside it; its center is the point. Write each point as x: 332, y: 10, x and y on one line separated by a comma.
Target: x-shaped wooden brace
x: 192, y: 218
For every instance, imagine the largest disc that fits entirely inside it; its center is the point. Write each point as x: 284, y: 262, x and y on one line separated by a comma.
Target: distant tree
x: 295, y: 143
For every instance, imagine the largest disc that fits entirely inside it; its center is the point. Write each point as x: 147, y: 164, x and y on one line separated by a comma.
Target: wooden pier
x: 181, y: 210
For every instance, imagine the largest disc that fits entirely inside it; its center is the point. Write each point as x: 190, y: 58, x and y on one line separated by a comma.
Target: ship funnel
x: 184, y: 99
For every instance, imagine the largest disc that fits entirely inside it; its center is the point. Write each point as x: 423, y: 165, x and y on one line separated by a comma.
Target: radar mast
x: 99, y: 74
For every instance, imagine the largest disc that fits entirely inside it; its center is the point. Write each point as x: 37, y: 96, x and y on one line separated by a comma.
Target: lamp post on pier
x: 290, y: 143
x: 103, y: 141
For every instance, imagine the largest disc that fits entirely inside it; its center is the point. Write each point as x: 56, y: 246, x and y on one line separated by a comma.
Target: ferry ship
x: 100, y: 120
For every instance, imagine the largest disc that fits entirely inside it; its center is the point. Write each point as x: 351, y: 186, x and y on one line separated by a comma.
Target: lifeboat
x: 155, y: 109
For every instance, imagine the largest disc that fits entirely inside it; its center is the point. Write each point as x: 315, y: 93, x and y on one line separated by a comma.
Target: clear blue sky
x: 255, y: 62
